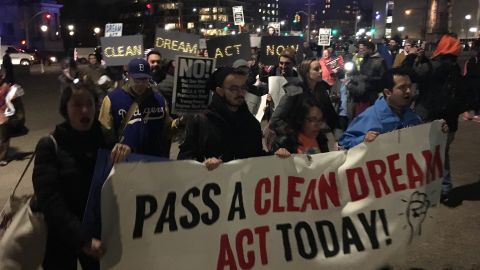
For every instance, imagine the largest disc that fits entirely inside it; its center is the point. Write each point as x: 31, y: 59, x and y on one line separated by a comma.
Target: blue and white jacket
x: 380, y: 118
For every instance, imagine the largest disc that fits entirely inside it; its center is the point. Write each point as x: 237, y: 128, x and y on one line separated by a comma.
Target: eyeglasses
x: 311, y: 120
x: 237, y: 89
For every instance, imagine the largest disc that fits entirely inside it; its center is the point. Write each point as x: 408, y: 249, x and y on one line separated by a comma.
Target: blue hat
x: 139, y: 68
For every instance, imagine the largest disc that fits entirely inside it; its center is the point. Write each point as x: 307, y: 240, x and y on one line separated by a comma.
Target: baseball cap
x: 139, y: 68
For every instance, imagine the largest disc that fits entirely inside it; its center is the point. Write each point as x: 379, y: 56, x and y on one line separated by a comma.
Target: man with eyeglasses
x: 390, y: 112
x: 226, y: 130
x: 135, y: 118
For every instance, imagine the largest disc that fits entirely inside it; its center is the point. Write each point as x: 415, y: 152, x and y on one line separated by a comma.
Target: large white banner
x: 338, y: 210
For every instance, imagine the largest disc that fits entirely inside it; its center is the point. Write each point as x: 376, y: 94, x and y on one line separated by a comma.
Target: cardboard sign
x: 273, y: 46
x: 227, y: 49
x: 173, y: 43
x: 118, y: 51
x: 324, y: 36
x: 356, y: 209
x: 238, y: 18
x: 113, y: 29
x: 190, y: 93
x: 273, y: 29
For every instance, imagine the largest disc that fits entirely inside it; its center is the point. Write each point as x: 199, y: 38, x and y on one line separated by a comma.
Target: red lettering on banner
x: 265, y: 186
x: 293, y: 193
x: 244, y: 244
x: 225, y: 255
x: 329, y: 190
x: 378, y: 177
x: 249, y: 262
x: 276, y: 196
x: 310, y: 197
x: 295, y: 197
x: 355, y: 194
x: 414, y: 172
x: 434, y: 164
x: 262, y: 238
x: 395, y: 173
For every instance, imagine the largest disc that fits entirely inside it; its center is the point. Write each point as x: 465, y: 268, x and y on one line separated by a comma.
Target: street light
x: 44, y: 28
x: 71, y: 33
x: 48, y: 16
x: 70, y: 27
x: 464, y: 28
x: 96, y: 30
x: 357, y: 19
x: 408, y: 12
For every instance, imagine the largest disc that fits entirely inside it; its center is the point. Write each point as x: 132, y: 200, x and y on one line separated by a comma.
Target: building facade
x: 33, y: 24
x: 427, y: 19
x: 337, y: 14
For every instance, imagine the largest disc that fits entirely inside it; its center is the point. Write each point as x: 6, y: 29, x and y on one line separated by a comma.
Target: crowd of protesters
x: 369, y: 90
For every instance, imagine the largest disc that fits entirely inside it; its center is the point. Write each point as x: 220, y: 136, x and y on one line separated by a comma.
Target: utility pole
x: 309, y: 19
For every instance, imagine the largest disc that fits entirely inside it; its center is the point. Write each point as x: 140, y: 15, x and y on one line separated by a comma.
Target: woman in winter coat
x: 309, y: 84
x: 62, y: 174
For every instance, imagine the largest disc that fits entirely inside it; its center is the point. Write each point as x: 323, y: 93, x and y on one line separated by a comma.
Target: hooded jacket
x: 222, y: 133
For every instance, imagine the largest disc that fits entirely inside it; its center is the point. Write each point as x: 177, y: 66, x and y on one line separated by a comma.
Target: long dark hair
x: 300, y: 110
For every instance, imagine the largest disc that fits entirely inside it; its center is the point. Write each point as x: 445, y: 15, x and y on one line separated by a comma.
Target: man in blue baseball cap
x: 135, y: 118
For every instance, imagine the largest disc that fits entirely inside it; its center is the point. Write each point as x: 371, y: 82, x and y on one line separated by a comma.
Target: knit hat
x: 447, y: 45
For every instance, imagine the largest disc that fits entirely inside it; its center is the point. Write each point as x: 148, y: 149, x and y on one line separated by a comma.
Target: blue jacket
x: 380, y: 118
x: 147, y: 132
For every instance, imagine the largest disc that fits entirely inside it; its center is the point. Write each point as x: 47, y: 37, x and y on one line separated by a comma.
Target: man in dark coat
x: 8, y: 66
x: 226, y: 130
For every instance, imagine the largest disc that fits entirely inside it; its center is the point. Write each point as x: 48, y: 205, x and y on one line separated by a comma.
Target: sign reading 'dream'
x: 173, y: 43
x: 227, y: 49
x: 190, y: 93
x: 118, y: 51
x: 335, y: 210
x: 273, y: 46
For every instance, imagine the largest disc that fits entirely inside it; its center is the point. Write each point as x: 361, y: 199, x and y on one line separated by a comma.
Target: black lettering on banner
x: 168, y: 214
x: 210, y: 203
x: 237, y: 196
x: 141, y: 215
x: 194, y: 192
x: 286, y: 241
x: 303, y: 226
x: 370, y: 228
x: 321, y: 227
x: 350, y: 236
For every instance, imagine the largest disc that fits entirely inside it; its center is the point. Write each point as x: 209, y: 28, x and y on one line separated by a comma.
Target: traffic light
x: 297, y: 18
x: 373, y: 30
x: 148, y: 6
x: 334, y: 32
x: 48, y: 16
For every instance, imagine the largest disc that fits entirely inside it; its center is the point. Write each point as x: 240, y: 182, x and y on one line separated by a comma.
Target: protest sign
x: 273, y: 28
x: 227, y: 49
x: 118, y: 51
x: 324, y: 36
x: 113, y: 29
x: 173, y: 43
x: 238, y: 18
x: 273, y: 46
x: 190, y: 93
x: 275, y: 88
x: 337, y: 210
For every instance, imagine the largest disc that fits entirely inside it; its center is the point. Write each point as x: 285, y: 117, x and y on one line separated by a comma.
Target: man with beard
x: 154, y: 59
x: 226, y: 130
x: 390, y: 112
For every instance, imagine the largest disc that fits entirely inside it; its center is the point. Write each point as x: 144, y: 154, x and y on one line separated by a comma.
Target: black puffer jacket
x: 223, y: 134
x: 61, y: 181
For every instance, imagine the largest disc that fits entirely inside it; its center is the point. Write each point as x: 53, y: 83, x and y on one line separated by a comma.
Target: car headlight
x: 53, y: 59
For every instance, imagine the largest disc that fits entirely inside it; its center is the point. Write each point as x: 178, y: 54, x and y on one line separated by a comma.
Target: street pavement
x: 453, y: 244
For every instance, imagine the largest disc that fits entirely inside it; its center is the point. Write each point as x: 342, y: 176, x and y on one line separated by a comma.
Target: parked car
x: 47, y: 57
x: 18, y: 57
